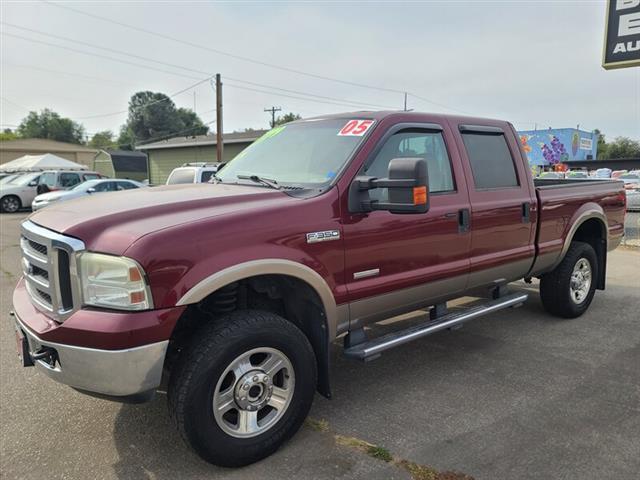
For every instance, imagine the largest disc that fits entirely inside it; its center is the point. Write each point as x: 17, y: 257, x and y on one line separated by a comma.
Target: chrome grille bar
x: 41, y: 249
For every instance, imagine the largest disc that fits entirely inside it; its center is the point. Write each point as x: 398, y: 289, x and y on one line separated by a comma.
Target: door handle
x: 450, y: 215
x: 463, y: 220
x: 526, y: 212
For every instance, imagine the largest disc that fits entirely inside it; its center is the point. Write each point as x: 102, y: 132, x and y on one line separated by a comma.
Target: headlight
x: 113, y: 282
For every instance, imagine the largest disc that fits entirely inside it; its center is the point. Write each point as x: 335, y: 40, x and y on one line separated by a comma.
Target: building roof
x: 203, y: 140
x: 43, y: 145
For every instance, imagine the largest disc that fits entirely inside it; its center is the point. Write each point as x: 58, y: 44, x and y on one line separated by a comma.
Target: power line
x: 226, y: 54
x: 59, y: 72
x: 171, y: 135
x: 97, y: 55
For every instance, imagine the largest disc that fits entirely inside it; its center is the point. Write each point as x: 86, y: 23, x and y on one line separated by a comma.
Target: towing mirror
x: 408, y: 188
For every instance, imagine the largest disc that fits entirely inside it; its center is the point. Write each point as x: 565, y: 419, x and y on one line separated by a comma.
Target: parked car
x: 603, y: 173
x: 82, y: 190
x: 18, y: 192
x: 234, y: 291
x: 551, y: 175
x: 9, y: 177
x: 618, y: 173
x: 632, y: 186
x: 577, y: 175
x: 53, y: 180
x: 193, y: 173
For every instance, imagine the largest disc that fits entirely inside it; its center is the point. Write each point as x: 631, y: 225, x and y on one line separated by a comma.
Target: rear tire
x: 258, y: 372
x: 568, y: 290
x: 10, y: 204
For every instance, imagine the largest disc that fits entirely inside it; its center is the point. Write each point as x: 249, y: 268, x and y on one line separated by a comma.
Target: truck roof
x: 408, y: 115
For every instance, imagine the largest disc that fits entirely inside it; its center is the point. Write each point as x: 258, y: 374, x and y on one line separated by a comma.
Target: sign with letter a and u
x: 622, y: 34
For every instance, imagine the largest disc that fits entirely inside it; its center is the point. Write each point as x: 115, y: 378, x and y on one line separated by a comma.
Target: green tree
x: 154, y: 116
x: 602, y: 144
x: 48, y: 124
x: 623, y: 147
x: 7, y: 134
x: 286, y: 118
x: 102, y: 140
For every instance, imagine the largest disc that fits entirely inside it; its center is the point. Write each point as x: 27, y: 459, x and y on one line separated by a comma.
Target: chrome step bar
x: 372, y: 349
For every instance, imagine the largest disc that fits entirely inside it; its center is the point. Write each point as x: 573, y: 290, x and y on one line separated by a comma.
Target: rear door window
x: 490, y: 159
x: 125, y: 185
x: 206, y: 175
x: 69, y: 179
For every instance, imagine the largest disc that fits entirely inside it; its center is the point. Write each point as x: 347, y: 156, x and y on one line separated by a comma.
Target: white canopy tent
x: 36, y: 163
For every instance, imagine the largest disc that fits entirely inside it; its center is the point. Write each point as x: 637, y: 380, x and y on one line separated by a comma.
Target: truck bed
x: 562, y: 202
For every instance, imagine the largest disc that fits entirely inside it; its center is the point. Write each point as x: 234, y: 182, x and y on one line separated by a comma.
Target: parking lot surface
x: 516, y: 395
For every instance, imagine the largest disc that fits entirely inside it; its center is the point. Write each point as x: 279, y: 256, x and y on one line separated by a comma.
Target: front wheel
x: 10, y: 204
x: 243, y: 387
x: 568, y: 290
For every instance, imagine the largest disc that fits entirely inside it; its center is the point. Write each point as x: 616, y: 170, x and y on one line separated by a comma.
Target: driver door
x: 402, y: 262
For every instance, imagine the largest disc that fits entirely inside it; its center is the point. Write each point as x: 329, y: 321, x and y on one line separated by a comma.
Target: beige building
x: 12, y: 149
x: 166, y: 155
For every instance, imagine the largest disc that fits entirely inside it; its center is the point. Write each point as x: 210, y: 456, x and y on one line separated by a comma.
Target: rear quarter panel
x: 564, y: 206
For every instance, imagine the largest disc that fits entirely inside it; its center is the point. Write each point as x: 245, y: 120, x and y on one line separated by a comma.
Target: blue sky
x: 534, y: 63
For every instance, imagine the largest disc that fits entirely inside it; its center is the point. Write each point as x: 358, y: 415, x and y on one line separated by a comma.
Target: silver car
x: 89, y: 187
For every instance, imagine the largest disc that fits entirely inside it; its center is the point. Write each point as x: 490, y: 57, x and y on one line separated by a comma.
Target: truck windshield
x: 307, y: 154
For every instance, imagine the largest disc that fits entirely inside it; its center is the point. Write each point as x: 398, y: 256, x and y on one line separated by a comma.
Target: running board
x: 372, y: 349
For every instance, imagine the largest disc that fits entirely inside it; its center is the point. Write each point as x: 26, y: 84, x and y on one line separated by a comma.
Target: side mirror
x: 33, y: 184
x: 91, y: 190
x: 407, y: 184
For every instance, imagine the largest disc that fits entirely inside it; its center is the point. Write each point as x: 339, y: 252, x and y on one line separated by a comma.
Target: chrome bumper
x: 114, y: 373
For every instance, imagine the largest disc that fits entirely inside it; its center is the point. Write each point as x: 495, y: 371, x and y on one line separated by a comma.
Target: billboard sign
x: 555, y: 146
x: 622, y: 34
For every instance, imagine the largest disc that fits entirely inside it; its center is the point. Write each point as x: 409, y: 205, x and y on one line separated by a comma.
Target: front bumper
x: 114, y: 373
x: 113, y: 354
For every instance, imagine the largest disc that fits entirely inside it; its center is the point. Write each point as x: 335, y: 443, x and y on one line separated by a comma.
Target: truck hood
x: 111, y: 222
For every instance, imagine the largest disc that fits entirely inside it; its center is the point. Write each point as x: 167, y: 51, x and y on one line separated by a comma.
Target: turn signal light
x: 419, y: 195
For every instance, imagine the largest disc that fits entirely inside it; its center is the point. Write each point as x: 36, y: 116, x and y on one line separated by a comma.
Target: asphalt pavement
x: 516, y: 395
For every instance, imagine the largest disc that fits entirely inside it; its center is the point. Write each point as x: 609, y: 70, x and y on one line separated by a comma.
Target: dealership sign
x: 622, y: 34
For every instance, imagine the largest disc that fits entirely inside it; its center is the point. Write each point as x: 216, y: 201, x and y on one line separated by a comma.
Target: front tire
x: 243, y: 387
x: 10, y: 204
x: 568, y: 290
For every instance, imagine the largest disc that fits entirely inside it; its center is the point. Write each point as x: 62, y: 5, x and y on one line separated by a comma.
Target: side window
x: 91, y: 176
x: 68, y: 179
x: 124, y: 186
x: 104, y: 187
x: 414, y: 143
x: 491, y: 161
x: 48, y: 179
x: 206, y: 175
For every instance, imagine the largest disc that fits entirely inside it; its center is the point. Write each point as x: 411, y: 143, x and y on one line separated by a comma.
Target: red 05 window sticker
x: 355, y: 128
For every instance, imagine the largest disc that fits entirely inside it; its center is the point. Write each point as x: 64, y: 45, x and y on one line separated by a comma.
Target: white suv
x: 198, y: 172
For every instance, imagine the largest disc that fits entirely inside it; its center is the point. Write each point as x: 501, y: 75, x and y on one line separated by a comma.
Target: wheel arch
x: 299, y: 287
x: 590, y: 226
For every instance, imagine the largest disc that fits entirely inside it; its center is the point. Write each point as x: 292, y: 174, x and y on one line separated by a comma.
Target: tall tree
x: 48, y: 124
x: 286, y: 118
x: 153, y: 115
x: 102, y: 140
x: 602, y: 144
x: 623, y: 147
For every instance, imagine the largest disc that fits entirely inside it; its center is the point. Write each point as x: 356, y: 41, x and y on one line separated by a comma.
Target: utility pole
x: 405, y: 101
x: 219, y: 140
x: 273, y: 111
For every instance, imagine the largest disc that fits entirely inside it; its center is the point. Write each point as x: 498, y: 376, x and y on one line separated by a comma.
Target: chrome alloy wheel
x: 580, y: 281
x: 253, y: 392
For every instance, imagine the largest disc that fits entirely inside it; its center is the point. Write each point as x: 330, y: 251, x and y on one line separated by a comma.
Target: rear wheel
x: 568, y: 290
x: 10, y: 204
x: 243, y: 387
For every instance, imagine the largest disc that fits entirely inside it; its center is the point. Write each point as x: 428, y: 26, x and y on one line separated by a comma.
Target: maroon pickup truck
x: 229, y: 294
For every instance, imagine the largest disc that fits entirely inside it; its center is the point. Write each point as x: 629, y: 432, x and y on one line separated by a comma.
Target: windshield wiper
x: 264, y: 181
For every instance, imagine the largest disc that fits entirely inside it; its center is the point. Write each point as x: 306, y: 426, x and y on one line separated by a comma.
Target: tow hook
x: 47, y: 355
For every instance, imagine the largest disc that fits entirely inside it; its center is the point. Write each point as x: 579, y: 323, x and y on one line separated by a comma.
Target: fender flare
x: 269, y: 266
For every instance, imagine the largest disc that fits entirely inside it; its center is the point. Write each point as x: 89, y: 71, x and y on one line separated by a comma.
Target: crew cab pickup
x: 229, y: 294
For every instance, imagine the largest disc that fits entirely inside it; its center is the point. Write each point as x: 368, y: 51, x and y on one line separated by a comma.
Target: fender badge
x: 326, y: 236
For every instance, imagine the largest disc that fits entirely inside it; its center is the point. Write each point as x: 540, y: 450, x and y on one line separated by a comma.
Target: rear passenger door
x: 502, y: 247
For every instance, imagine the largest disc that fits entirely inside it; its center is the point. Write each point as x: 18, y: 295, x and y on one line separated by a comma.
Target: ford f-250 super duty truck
x: 231, y: 292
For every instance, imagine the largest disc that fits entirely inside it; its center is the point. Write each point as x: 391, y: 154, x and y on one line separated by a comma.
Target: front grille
x: 49, y: 267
